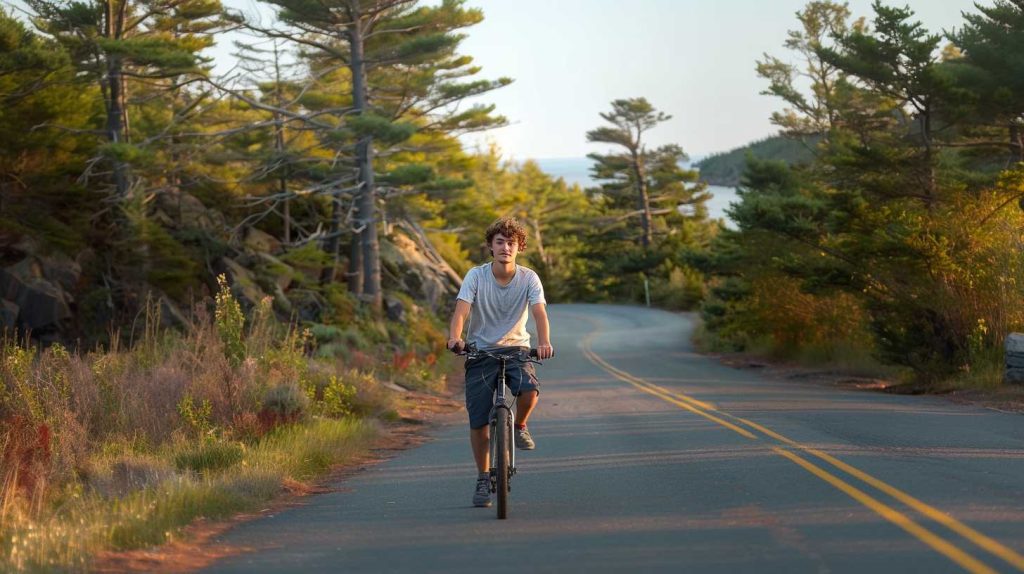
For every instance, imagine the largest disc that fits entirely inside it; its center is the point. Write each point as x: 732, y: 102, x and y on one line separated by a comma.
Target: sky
x: 693, y: 59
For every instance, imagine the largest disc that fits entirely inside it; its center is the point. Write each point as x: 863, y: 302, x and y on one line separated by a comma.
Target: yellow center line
x: 934, y: 541
x: 645, y: 387
x: 965, y: 560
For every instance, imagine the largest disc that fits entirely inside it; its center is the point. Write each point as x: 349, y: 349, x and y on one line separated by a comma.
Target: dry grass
x: 140, y: 501
x: 119, y: 448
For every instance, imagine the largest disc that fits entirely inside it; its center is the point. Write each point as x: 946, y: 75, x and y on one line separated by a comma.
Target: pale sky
x: 693, y: 59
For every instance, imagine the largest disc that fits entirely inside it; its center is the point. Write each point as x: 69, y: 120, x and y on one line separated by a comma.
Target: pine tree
x: 115, y: 42
x: 652, y: 180
x: 816, y: 112
x: 404, y: 76
x: 991, y: 68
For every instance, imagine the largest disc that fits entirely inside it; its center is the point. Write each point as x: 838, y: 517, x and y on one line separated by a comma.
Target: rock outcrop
x: 35, y: 291
x: 415, y: 267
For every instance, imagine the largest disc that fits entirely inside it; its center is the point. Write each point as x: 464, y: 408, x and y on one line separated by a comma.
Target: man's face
x: 504, y: 249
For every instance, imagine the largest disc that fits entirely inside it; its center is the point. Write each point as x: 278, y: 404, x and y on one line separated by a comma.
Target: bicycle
x: 502, y: 449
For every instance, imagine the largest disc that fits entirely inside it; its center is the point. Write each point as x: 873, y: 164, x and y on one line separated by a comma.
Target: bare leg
x: 524, y: 406
x: 480, y: 440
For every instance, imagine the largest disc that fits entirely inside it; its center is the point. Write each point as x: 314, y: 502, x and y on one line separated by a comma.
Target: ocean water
x: 576, y: 170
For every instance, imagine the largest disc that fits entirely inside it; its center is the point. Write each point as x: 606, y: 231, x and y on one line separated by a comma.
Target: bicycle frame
x: 496, y: 418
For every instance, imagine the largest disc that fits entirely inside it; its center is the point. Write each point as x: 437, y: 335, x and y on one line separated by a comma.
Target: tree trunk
x: 366, y: 199
x: 115, y: 122
x: 355, y: 266
x: 332, y: 245
x: 643, y: 199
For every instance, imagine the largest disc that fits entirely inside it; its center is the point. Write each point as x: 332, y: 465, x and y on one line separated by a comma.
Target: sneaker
x: 523, y: 440
x: 482, y: 496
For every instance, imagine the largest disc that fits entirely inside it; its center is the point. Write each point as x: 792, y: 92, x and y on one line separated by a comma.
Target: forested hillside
x: 901, y: 239
x: 726, y: 168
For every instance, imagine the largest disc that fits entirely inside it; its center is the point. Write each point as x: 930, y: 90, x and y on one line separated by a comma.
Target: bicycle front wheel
x: 503, y: 444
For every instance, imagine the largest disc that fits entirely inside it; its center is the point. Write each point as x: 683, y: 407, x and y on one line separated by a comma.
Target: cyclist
x: 495, y: 297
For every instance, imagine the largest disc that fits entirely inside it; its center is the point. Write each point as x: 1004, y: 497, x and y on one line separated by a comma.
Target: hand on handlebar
x: 457, y: 346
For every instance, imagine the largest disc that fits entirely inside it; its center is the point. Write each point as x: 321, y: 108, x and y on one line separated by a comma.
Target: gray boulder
x: 243, y: 283
x: 41, y: 304
x: 61, y: 269
x: 419, y: 270
x: 277, y: 270
x: 394, y: 308
x: 180, y: 209
x: 261, y: 242
x: 1014, y: 344
x: 1014, y: 376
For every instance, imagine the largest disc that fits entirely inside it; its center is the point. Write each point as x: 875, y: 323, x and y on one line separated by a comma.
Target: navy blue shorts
x: 482, y: 377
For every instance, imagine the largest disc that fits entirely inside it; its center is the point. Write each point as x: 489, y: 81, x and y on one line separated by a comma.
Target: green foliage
x: 338, y: 399
x: 197, y: 417
x: 230, y: 323
x: 896, y: 238
x: 381, y: 128
x: 123, y: 152
x: 726, y: 168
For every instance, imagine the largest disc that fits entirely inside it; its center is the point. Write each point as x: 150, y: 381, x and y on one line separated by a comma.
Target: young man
x: 495, y: 298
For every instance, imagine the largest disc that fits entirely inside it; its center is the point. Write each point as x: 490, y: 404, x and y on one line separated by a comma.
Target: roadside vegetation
x: 121, y: 448
x: 899, y: 246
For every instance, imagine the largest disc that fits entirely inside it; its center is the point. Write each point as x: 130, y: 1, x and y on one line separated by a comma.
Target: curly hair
x: 509, y: 227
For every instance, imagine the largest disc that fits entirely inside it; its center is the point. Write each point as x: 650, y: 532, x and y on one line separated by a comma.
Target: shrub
x: 230, y: 323
x: 337, y: 399
x: 283, y: 404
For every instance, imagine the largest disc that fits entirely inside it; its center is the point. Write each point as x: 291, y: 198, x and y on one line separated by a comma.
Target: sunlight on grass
x: 212, y: 481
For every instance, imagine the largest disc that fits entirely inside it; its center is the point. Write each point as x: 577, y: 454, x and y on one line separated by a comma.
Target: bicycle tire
x: 503, y: 443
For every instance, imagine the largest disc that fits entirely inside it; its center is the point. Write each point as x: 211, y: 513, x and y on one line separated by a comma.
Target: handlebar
x: 472, y: 352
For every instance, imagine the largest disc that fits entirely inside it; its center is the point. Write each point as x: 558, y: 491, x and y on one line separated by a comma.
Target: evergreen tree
x: 404, y: 76
x: 992, y: 69
x: 817, y: 112
x: 113, y: 42
x: 637, y: 175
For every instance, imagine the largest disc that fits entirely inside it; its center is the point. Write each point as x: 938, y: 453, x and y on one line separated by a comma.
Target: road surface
x: 652, y: 458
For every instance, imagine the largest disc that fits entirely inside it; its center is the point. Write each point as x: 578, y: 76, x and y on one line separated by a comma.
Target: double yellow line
x: 754, y: 431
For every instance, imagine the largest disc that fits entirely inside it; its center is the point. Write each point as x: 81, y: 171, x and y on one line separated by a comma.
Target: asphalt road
x: 651, y: 458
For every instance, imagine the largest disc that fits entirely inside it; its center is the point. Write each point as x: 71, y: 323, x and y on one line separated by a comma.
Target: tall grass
x: 67, y: 535
x: 120, y: 447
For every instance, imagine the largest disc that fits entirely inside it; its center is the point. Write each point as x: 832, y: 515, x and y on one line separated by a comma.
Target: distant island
x: 725, y: 168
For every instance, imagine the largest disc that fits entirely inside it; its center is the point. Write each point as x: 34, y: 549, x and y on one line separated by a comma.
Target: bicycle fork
x: 501, y: 413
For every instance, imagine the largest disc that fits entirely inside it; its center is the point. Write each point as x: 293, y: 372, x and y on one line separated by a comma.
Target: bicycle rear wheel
x: 503, y: 442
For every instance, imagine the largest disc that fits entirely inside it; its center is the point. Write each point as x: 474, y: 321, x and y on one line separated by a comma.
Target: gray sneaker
x: 482, y: 496
x: 523, y: 440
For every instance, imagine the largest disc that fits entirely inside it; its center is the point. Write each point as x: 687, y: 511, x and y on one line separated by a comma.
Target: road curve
x: 651, y: 458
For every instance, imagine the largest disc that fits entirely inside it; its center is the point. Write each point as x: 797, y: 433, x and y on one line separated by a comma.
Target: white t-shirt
x: 498, y: 317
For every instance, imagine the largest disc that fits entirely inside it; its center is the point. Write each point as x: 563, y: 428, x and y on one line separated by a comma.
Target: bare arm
x: 540, y: 316
x: 462, y: 309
